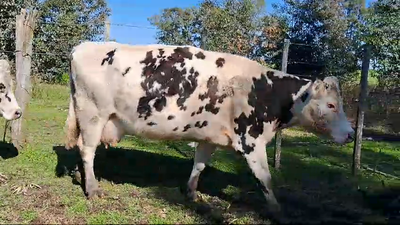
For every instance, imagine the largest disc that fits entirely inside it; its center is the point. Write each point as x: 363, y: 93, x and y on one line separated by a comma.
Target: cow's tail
x: 72, y: 126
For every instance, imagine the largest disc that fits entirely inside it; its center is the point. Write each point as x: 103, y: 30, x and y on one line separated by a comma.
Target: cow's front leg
x: 256, y: 157
x: 202, y: 157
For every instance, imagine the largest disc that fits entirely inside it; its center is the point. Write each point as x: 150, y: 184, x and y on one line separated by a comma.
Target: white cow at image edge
x: 9, y: 107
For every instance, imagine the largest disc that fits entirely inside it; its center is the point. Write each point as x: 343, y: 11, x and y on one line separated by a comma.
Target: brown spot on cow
x: 126, y: 71
x: 201, y: 125
x: 151, y: 123
x: 187, y: 127
x: 175, y: 129
x: 200, y: 109
x: 170, y: 117
x: 220, y: 62
x: 2, y: 88
x: 200, y: 55
x: 185, y: 52
x: 163, y: 71
x: 161, y: 53
x: 212, y: 85
x: 109, y: 58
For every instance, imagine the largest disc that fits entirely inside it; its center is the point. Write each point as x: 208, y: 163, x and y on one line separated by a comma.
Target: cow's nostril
x: 18, y: 113
x: 350, y: 136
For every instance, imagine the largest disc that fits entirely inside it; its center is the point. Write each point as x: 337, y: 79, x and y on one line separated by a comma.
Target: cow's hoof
x: 274, y: 212
x: 275, y: 208
x: 95, y: 193
x: 189, y: 194
x: 192, y: 196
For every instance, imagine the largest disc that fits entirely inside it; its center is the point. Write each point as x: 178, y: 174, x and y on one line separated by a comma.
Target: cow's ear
x: 331, y: 82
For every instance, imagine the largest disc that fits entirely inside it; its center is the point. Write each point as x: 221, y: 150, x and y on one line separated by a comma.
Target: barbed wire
x: 302, y: 44
x: 35, y: 53
x: 130, y: 26
x: 67, y: 53
x: 91, y: 23
x: 305, y: 63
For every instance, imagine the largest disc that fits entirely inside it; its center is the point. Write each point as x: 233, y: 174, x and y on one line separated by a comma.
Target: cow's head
x: 9, y: 108
x: 320, y: 110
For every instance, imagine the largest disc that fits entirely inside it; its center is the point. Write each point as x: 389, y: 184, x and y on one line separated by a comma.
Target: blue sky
x: 136, y: 12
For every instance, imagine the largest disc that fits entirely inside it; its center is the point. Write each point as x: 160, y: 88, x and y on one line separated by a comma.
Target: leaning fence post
x: 361, y: 109
x: 25, y: 24
x: 278, y: 135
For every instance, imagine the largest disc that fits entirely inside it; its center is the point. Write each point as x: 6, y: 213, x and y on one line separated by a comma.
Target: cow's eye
x: 331, y: 106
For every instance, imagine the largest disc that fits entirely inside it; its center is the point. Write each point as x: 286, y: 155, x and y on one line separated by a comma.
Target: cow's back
x: 159, y: 91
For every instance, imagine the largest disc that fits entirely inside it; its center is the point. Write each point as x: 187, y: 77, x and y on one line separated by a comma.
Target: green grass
x: 142, y: 178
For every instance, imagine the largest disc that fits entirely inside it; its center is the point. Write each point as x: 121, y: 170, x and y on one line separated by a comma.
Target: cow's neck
x: 300, y: 106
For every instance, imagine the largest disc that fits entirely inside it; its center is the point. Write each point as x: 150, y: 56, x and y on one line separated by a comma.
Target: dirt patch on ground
x: 48, y: 207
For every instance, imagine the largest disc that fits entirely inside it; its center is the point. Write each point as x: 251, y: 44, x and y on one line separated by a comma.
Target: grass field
x: 142, y: 179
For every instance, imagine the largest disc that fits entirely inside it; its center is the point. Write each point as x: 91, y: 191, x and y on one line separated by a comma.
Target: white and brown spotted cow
x: 186, y: 93
x: 9, y: 108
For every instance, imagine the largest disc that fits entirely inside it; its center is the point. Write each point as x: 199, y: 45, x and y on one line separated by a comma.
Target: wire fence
x: 127, y: 25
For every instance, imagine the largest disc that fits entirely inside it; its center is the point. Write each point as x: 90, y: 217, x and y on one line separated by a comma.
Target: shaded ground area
x: 142, y: 179
x: 374, y: 135
x: 309, y: 189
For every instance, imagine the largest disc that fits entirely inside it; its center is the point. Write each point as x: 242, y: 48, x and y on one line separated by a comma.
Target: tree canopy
x: 327, y: 35
x: 61, y: 25
x: 381, y: 30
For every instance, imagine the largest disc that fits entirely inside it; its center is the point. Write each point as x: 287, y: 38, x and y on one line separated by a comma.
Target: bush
x: 63, y: 79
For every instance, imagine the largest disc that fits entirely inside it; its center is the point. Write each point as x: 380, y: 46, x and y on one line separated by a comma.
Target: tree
x: 270, y: 41
x: 63, y: 24
x: 381, y: 30
x: 323, y: 29
x: 227, y: 25
x: 8, y: 12
x: 175, y: 26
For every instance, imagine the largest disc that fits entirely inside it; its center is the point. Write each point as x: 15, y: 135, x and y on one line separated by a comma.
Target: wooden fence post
x: 25, y: 24
x: 203, y: 40
x: 360, y: 111
x: 107, y: 30
x: 278, y: 135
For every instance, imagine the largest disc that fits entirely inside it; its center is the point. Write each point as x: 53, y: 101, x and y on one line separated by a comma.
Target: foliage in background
x: 8, y: 12
x: 61, y: 25
x: 381, y: 30
x: 331, y: 32
x: 325, y: 30
x: 231, y: 26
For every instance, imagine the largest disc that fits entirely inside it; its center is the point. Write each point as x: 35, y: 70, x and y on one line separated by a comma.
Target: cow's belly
x: 173, y: 123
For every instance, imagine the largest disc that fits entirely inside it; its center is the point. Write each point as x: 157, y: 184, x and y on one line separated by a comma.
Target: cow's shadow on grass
x: 7, y: 150
x: 309, y: 189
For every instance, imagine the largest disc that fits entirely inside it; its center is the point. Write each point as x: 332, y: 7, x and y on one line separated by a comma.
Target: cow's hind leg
x: 202, y: 157
x: 257, y: 160
x: 91, y: 128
